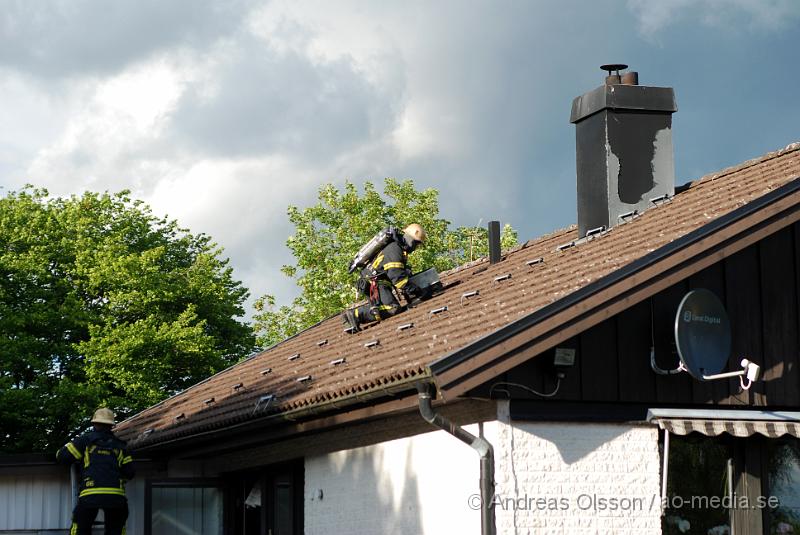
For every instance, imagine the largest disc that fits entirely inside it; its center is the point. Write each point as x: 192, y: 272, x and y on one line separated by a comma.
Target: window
x: 783, y: 471
x: 725, y: 484
x: 267, y: 502
x: 183, y: 507
x: 699, y: 478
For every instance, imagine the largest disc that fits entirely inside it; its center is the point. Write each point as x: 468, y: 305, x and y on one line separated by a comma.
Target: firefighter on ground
x: 386, y: 273
x: 105, y: 466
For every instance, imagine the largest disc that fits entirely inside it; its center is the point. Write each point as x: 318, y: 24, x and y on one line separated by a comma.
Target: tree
x: 328, y: 235
x: 103, y: 303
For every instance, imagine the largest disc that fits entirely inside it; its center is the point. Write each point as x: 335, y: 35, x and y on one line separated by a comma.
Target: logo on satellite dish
x: 689, y: 316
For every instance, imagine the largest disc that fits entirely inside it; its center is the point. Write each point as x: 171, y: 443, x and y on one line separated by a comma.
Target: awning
x: 772, y: 424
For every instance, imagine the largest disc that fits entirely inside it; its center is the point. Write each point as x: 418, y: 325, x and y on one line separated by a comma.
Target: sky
x: 221, y: 114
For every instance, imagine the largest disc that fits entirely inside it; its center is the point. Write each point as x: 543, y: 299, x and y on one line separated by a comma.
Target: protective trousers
x: 84, y: 514
x: 386, y: 306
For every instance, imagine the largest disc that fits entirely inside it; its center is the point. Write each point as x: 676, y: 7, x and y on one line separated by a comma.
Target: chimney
x: 623, y: 134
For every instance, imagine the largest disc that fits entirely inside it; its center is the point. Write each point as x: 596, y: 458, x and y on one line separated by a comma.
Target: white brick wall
x: 415, y: 485
x: 571, y: 478
x: 576, y: 477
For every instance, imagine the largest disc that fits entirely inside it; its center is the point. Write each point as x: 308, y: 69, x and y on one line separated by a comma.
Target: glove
x: 411, y: 290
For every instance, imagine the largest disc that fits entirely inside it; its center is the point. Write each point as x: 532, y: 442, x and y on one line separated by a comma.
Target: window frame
x: 266, y: 479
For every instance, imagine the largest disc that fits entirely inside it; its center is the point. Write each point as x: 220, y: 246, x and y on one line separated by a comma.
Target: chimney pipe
x: 630, y: 78
x: 494, y: 241
x: 623, y: 134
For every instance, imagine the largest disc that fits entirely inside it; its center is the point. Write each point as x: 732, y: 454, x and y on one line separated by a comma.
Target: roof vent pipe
x: 494, y: 242
x: 630, y: 78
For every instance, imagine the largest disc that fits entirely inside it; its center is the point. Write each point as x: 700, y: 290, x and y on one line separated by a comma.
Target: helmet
x: 416, y: 232
x: 103, y: 416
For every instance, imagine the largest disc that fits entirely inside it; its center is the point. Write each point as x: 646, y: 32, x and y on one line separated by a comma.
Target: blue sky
x: 221, y: 114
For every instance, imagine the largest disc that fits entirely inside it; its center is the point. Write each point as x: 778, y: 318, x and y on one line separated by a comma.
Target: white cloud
x: 225, y: 135
x: 222, y: 115
x: 234, y: 200
x: 403, y: 51
x: 74, y: 38
x: 754, y: 15
x: 242, y: 204
x: 110, y: 139
x: 143, y: 96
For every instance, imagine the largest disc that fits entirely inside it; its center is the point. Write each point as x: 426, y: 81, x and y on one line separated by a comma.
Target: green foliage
x: 103, y: 303
x: 328, y: 235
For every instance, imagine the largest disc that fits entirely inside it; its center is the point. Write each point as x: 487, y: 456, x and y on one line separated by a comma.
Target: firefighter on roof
x: 105, y: 466
x: 385, y: 272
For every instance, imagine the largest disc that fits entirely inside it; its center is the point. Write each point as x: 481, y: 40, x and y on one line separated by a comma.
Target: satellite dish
x: 702, y: 334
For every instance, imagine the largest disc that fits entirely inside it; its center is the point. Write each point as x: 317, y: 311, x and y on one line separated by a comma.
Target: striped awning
x: 735, y: 423
x: 737, y: 428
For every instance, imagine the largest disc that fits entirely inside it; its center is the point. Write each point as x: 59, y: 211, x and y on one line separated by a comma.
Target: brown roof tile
x: 347, y: 366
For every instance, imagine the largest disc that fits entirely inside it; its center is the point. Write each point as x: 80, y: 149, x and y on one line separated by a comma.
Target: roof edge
x: 224, y: 370
x: 27, y: 459
x: 313, y: 411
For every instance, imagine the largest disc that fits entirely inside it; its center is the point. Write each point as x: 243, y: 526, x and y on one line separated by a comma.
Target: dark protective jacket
x: 105, y: 463
x: 390, y: 265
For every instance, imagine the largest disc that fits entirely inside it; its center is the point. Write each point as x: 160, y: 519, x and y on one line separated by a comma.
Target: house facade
x: 530, y: 396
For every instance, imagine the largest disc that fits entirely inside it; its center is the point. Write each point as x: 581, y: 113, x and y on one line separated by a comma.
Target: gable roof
x: 484, y: 316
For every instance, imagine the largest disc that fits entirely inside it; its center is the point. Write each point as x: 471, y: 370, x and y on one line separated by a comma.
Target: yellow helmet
x: 103, y: 416
x: 416, y: 232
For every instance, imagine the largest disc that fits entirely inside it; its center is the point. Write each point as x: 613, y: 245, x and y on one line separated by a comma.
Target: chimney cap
x: 613, y: 67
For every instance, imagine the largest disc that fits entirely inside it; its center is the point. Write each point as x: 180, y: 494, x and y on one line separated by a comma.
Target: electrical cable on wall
x: 523, y: 387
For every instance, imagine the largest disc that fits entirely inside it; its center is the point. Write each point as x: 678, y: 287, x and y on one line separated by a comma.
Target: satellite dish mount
x: 703, y: 339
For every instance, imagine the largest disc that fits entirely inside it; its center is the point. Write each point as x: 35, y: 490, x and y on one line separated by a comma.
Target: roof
x: 27, y: 459
x: 325, y: 368
x: 32, y: 464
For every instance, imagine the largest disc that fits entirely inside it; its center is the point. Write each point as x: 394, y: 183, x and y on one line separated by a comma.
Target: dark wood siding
x: 779, y: 318
x: 637, y: 382
x: 759, y: 287
x: 600, y: 343
x: 670, y: 388
x: 743, y: 296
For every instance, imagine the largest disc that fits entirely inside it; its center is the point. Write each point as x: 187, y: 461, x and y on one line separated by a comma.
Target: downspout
x: 479, y: 444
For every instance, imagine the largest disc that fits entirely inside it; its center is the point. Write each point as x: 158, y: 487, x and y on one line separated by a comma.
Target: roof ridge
x: 710, y: 177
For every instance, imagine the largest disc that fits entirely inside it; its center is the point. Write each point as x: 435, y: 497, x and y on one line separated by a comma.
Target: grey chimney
x: 623, y: 134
